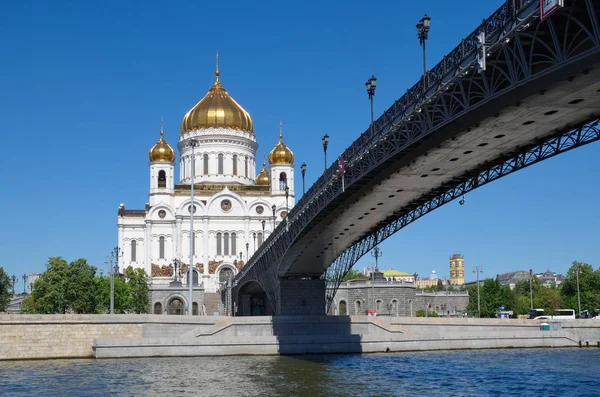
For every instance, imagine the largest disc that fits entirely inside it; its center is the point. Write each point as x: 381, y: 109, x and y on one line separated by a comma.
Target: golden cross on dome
x: 264, y: 159
x: 280, y: 130
x: 217, y: 69
x: 162, y: 125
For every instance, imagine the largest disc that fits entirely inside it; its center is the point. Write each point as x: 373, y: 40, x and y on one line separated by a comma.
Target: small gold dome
x: 281, y: 154
x: 162, y: 151
x: 263, y: 178
x: 217, y: 110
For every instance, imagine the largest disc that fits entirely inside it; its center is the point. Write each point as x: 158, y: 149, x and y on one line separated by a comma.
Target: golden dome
x: 263, y: 178
x: 162, y: 151
x: 281, y: 154
x: 217, y: 110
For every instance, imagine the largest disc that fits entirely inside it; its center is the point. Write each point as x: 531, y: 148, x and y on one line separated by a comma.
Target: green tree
x: 65, y: 287
x: 548, y: 299
x: 123, y: 297
x: 589, y: 288
x: 352, y: 274
x: 137, y: 280
x: 5, y: 285
x: 493, y: 296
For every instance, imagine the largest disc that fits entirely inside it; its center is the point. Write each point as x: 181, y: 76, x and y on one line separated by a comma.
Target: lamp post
x: 303, y: 171
x: 273, y: 207
x: 112, y: 261
x: 577, y: 270
x: 287, y: 195
x: 531, y: 288
x: 325, y: 141
x: 371, y: 84
x: 478, y: 269
x: 376, y: 253
x: 263, y: 228
x: 14, y: 281
x: 25, y: 283
x: 254, y: 235
x: 193, y: 144
x: 423, y: 34
x: 247, y: 256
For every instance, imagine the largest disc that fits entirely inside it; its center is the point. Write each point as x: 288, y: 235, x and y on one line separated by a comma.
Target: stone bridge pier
x: 295, y: 296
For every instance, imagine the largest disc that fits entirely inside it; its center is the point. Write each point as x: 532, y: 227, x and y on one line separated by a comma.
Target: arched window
x: 378, y: 305
x: 343, y: 308
x: 246, y: 167
x: 233, y: 244
x: 260, y: 238
x: 394, y: 307
x: 235, y: 164
x: 157, y: 308
x: 182, y: 168
x: 219, y: 250
x: 162, y: 178
x: 195, y: 308
x: 205, y: 164
x: 175, y: 307
x: 133, y: 251
x: 357, y: 309
x: 225, y: 274
x: 220, y: 164
x: 161, y: 247
x: 194, y: 277
x: 282, y: 181
x: 225, y: 243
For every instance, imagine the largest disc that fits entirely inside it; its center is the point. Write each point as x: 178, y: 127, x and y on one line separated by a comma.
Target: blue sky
x: 84, y: 85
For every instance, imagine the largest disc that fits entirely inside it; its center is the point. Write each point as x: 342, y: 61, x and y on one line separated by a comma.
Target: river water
x: 511, y: 372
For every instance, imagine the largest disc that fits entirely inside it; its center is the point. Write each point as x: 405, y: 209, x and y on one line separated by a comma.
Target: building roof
x: 396, y: 273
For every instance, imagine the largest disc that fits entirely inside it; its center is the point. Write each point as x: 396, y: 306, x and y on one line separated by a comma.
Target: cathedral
x: 232, y: 213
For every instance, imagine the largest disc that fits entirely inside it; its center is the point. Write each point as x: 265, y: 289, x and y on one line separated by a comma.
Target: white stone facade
x: 232, y: 217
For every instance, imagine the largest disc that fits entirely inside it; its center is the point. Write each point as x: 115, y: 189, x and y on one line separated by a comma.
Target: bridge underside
x: 467, y: 144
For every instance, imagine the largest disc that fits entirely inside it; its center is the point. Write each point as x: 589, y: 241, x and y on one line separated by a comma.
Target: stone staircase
x: 212, y: 302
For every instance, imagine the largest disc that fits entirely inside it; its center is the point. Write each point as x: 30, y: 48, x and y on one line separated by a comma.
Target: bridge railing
x: 462, y: 57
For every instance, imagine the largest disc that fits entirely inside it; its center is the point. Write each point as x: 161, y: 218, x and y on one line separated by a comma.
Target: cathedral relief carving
x: 283, y: 214
x: 162, y: 213
x: 226, y: 205
x: 161, y: 271
x: 260, y: 209
x: 190, y: 209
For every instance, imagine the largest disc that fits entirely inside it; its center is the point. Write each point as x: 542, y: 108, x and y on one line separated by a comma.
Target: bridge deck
x: 495, y: 130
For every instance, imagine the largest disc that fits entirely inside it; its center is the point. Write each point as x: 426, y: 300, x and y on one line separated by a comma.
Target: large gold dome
x: 263, y: 178
x: 217, y: 110
x: 281, y: 154
x: 162, y: 151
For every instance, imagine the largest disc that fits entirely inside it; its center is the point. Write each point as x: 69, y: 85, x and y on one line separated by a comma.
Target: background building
x: 457, y: 269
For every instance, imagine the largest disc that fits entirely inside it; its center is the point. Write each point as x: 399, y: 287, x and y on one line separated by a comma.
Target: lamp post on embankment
x: 478, y: 269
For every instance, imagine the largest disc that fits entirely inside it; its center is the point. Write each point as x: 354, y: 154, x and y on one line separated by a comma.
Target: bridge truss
x: 486, y: 173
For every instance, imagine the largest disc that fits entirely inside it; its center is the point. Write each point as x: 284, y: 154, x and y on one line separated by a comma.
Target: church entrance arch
x: 253, y: 301
x: 175, y: 307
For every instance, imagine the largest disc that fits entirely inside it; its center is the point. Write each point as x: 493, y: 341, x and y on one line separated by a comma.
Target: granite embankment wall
x: 103, y: 336
x: 69, y: 336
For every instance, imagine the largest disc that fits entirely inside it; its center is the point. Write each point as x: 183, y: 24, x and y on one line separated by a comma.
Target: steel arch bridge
x: 536, y: 97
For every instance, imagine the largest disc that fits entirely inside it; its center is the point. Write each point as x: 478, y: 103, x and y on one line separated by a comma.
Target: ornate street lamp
x: 423, y: 35
x: 371, y: 85
x: 263, y: 228
x: 273, y: 207
x: 14, y: 281
x: 325, y: 141
x: 247, y: 256
x: 25, y: 283
x: 303, y: 171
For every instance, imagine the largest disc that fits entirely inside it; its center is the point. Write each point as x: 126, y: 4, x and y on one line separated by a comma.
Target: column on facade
x: 121, y: 251
x: 147, y: 248
x: 246, y: 236
x: 205, y: 258
x: 177, y: 238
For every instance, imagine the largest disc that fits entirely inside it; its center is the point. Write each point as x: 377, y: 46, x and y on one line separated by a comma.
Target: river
x: 503, y: 372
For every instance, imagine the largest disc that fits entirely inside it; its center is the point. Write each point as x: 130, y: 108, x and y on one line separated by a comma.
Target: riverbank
x: 111, y: 336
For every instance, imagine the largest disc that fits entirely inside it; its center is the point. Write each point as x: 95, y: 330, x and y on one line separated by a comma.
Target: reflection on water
x: 544, y: 372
